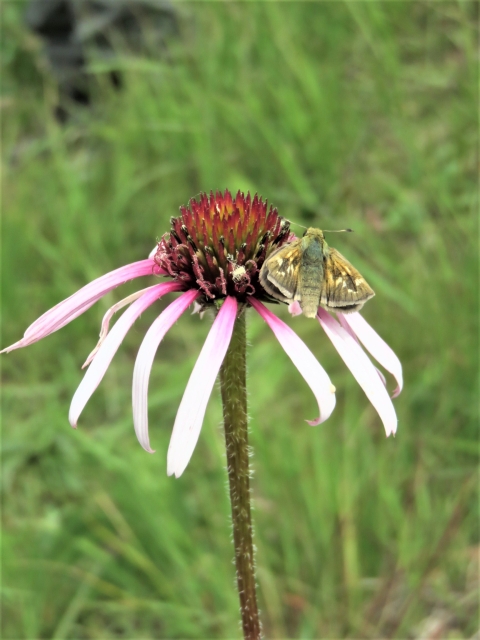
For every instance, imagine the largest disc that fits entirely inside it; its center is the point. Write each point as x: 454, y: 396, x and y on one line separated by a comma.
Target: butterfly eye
x: 305, y: 233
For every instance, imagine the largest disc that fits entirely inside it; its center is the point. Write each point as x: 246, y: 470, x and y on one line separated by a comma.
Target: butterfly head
x: 314, y: 234
x: 313, y: 243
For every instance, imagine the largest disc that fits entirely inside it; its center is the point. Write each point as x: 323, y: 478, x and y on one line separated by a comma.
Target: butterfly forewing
x: 344, y: 288
x: 279, y: 274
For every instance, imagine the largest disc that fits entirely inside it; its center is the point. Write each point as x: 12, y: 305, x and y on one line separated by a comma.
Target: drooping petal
x: 347, y: 327
x: 381, y: 376
x: 313, y: 373
x: 362, y: 368
x: 189, y: 420
x: 376, y: 346
x: 108, y: 316
x: 69, y: 309
x: 108, y: 349
x: 144, y: 361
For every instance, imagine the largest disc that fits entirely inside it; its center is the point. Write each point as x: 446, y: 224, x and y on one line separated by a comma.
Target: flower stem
x: 234, y: 397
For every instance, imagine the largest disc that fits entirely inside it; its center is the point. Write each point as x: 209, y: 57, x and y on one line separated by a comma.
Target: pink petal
x: 376, y: 346
x: 144, y: 361
x: 362, y: 368
x: 67, y: 310
x: 347, y: 327
x: 188, y: 422
x: 309, y: 367
x: 294, y: 308
x: 108, y: 349
x: 381, y: 376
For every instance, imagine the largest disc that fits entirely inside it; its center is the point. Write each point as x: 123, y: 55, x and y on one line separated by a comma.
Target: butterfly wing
x: 344, y: 288
x: 279, y: 273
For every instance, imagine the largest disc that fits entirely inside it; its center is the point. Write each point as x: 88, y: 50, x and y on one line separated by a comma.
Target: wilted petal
x: 294, y: 308
x: 309, y: 367
x: 144, y: 361
x: 69, y: 309
x: 376, y: 346
x: 109, y: 315
x: 108, y: 349
x: 362, y: 368
x: 188, y: 422
x: 198, y: 308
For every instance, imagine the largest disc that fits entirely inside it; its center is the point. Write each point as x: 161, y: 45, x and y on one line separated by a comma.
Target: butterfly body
x: 307, y: 270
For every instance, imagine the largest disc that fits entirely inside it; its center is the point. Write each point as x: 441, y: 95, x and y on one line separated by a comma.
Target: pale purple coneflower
x: 213, y: 255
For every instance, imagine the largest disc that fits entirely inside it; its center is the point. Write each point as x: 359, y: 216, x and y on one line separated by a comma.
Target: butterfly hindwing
x: 279, y: 274
x: 344, y: 288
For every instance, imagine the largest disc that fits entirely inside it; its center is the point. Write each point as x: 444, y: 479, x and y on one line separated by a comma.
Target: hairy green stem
x: 234, y: 397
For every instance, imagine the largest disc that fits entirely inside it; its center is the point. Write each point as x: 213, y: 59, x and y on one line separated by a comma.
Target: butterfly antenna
x: 337, y: 230
x: 297, y: 224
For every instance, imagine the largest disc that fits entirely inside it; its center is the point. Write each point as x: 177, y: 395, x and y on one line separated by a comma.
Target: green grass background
x: 359, y: 114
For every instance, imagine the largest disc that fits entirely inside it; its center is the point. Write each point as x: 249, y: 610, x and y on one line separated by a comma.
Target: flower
x: 212, y: 256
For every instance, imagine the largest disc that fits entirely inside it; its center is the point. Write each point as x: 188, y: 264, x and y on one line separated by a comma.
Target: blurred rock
x: 73, y: 30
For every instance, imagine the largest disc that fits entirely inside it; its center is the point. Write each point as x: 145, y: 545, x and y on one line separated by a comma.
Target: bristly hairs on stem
x: 234, y: 400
